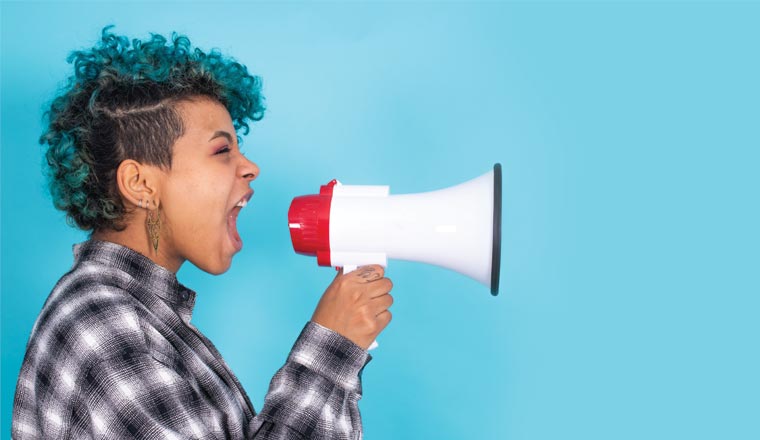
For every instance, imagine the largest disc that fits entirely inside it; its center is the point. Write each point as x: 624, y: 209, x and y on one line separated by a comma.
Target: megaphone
x: 458, y: 227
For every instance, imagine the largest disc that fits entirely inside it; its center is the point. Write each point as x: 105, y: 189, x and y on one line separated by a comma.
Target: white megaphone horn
x: 458, y: 228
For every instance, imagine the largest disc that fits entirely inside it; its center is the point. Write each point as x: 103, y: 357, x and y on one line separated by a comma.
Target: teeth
x: 242, y: 203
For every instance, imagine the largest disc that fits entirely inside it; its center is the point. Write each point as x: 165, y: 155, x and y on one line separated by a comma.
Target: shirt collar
x: 150, y: 276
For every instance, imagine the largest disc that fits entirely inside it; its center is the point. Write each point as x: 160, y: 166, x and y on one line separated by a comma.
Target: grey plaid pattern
x: 113, y: 355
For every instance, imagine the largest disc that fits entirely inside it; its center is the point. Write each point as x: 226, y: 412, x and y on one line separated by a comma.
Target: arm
x: 316, y: 393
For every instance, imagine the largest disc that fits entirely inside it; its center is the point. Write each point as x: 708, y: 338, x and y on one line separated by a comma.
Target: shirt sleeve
x: 316, y: 393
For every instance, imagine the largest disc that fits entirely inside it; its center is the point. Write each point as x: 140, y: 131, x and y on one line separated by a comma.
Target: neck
x: 136, y: 238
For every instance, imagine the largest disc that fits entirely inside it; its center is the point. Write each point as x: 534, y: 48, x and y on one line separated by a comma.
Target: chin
x: 216, y: 267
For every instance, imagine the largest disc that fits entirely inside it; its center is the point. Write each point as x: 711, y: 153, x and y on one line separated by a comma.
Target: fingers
x: 380, y: 287
x: 377, y: 314
x: 381, y: 303
x: 384, y: 318
x: 356, y: 304
x: 369, y: 273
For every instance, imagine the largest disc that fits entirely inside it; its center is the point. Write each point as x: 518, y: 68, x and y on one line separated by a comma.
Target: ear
x: 138, y: 182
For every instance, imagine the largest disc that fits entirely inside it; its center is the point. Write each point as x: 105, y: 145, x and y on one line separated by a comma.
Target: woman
x: 143, y: 152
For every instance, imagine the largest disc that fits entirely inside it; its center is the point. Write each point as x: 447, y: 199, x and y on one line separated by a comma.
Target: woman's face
x: 201, y: 194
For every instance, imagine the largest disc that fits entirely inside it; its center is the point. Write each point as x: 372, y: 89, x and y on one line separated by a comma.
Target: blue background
x: 628, y: 135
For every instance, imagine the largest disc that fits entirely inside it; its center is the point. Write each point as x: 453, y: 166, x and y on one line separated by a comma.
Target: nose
x: 248, y: 170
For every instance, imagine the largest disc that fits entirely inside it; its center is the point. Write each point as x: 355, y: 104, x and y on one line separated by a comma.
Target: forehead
x: 204, y: 117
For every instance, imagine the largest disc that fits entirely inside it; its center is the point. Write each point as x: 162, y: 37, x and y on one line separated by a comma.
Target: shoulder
x: 89, y: 316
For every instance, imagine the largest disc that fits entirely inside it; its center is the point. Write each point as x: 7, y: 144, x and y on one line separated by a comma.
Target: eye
x: 225, y: 149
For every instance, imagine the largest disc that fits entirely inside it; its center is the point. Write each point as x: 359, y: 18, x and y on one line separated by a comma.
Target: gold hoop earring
x: 153, y: 223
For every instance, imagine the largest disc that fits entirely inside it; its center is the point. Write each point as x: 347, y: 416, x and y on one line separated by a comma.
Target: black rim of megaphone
x: 496, y: 253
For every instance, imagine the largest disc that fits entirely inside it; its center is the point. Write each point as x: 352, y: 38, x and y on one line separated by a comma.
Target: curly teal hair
x: 121, y: 103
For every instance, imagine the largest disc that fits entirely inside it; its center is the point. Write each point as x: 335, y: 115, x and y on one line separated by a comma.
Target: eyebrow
x: 221, y: 133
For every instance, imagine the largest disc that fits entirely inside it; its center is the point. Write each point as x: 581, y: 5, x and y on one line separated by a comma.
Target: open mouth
x: 237, y: 242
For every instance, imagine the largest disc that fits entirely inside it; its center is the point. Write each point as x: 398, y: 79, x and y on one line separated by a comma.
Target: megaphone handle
x: 348, y: 269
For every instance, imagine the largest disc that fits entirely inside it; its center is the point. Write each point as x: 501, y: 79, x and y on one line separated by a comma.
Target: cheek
x: 196, y: 202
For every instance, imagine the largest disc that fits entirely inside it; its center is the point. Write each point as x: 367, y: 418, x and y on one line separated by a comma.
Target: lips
x: 237, y: 242
x: 244, y: 200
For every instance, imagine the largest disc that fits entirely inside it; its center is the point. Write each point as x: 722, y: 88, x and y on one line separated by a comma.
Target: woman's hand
x: 356, y: 305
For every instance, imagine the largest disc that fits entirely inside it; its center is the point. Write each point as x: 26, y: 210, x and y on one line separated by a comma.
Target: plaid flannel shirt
x: 113, y: 355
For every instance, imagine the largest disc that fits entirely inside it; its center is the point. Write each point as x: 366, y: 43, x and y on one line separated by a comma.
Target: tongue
x: 232, y: 225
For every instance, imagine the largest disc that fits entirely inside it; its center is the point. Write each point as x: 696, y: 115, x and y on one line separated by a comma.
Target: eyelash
x: 226, y: 149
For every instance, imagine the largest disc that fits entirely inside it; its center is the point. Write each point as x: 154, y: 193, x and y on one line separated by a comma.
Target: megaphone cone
x: 458, y: 227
